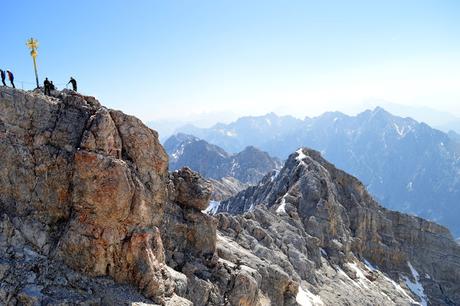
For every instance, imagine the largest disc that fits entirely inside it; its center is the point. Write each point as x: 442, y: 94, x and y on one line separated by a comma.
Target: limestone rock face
x: 321, y: 221
x: 83, y: 185
x: 119, y: 191
x: 89, y: 215
x: 191, y: 189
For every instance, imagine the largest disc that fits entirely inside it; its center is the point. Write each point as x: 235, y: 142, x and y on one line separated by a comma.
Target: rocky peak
x: 211, y: 161
x: 84, y: 185
x: 90, y: 215
x: 348, y: 225
x: 173, y: 143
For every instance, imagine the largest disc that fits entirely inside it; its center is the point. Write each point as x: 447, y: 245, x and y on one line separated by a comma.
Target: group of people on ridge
x: 49, y: 86
x: 10, y: 77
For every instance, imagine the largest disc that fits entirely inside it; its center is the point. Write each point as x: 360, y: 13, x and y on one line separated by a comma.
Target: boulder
x: 191, y: 189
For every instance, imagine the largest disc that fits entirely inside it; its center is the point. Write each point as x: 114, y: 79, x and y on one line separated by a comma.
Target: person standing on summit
x: 47, y: 86
x: 3, y: 75
x: 74, y: 83
x: 10, y: 77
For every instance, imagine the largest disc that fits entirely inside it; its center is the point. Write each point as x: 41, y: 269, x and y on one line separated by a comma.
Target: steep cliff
x: 342, y: 228
x: 407, y: 165
x: 90, y: 215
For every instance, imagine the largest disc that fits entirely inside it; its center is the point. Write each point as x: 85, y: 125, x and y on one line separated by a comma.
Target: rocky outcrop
x: 321, y: 219
x: 191, y: 189
x: 407, y: 165
x: 86, y: 186
x: 90, y: 215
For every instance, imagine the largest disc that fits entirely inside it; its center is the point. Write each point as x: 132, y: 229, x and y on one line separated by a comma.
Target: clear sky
x: 172, y: 59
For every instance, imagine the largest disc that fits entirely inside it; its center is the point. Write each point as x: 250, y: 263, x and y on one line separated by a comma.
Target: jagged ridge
x: 90, y: 215
x: 334, y: 210
x: 88, y: 210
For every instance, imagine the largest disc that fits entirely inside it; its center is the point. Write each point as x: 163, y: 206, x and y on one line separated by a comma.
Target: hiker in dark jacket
x: 10, y: 77
x: 52, y: 87
x: 47, y: 86
x: 3, y: 75
x: 74, y: 83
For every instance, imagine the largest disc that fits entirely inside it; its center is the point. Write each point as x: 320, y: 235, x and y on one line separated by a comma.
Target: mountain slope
x: 247, y: 166
x: 90, y: 215
x: 406, y: 165
x: 247, y: 131
x: 455, y: 136
x: 349, y: 235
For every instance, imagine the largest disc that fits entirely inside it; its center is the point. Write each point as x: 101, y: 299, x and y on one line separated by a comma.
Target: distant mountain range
x: 407, y: 165
x: 438, y: 119
x: 230, y: 173
x: 454, y: 136
x: 441, y: 120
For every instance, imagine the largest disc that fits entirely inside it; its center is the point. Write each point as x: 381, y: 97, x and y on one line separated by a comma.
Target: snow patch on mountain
x: 274, y: 175
x: 282, y: 208
x: 212, y: 208
x: 410, y: 186
x: 370, y: 266
x: 359, y: 274
x: 300, y: 155
x: 306, y: 298
x: 415, y: 286
x: 178, y: 153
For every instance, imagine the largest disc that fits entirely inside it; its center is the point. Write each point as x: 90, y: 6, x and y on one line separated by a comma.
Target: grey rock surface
x: 407, y: 165
x: 90, y: 215
x: 341, y: 227
x: 226, y: 187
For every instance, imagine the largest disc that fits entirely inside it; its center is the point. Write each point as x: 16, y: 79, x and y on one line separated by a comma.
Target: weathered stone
x: 324, y: 223
x: 85, y: 183
x: 191, y: 189
x: 30, y: 296
x: 90, y: 216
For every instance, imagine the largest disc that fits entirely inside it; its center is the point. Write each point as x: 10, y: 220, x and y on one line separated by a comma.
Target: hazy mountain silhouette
x: 406, y: 165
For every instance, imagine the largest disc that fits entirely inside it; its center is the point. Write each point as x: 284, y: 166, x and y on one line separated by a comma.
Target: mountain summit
x: 347, y: 235
x: 229, y: 173
x: 248, y: 166
x: 90, y: 215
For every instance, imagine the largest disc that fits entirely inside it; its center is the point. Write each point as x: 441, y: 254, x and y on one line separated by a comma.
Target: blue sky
x: 177, y: 59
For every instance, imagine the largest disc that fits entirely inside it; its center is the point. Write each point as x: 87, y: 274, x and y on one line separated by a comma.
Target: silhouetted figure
x: 3, y: 75
x: 47, y: 86
x: 52, y: 87
x: 10, y: 77
x: 74, y: 83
